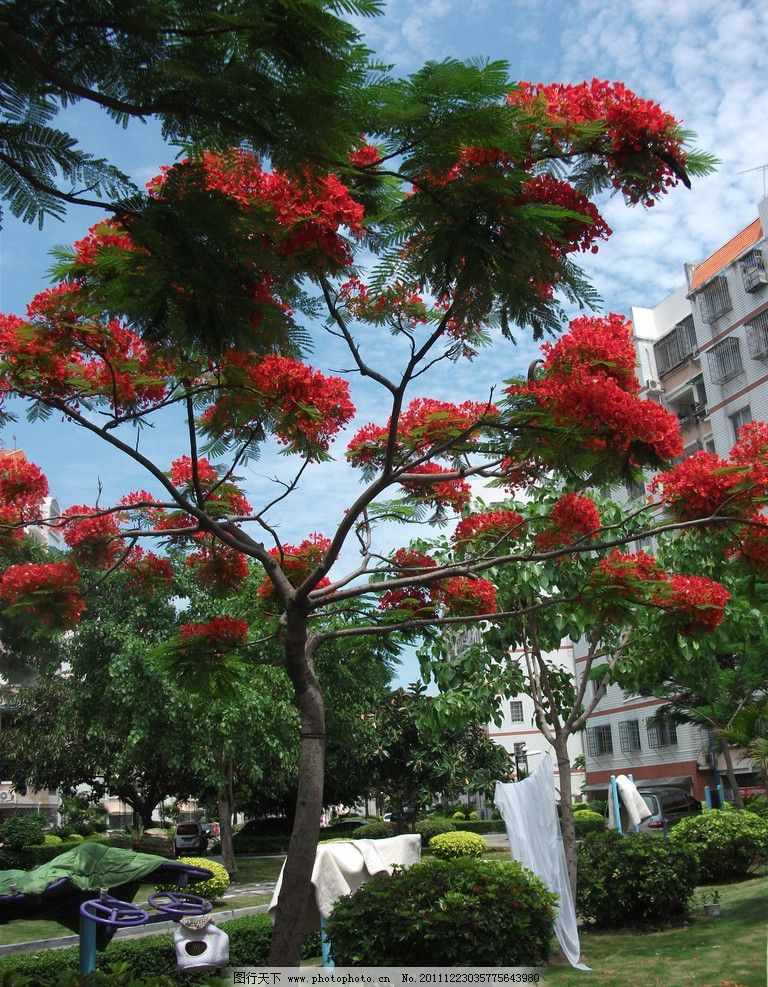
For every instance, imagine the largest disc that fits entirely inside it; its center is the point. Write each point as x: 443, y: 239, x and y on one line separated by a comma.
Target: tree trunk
x: 225, y: 822
x: 288, y: 932
x: 738, y: 801
x: 560, y: 745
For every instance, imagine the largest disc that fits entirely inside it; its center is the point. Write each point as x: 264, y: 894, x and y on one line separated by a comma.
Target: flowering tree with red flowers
x: 202, y: 302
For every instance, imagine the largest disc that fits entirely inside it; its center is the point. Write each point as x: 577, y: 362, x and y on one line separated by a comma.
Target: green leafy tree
x: 284, y: 77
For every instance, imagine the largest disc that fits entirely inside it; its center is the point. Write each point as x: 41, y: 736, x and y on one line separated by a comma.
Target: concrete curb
x: 60, y: 942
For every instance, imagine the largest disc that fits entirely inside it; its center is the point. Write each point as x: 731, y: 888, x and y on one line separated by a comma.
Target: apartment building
x: 703, y: 353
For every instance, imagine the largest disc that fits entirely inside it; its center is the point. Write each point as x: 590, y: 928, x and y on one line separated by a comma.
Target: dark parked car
x: 668, y: 805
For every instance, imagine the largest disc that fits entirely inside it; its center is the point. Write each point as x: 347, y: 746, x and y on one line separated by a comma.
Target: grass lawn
x: 703, y: 953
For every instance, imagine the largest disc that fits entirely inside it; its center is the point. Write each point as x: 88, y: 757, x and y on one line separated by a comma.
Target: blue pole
x: 721, y: 796
x: 708, y: 796
x: 325, y: 942
x: 616, y: 804
x: 87, y: 945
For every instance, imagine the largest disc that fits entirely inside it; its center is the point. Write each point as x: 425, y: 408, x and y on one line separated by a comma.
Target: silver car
x: 667, y: 805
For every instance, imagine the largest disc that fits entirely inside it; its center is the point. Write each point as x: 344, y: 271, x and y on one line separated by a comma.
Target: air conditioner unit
x: 653, y: 387
x: 754, y: 278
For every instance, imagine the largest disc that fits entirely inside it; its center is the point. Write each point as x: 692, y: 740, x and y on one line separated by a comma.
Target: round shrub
x: 49, y: 839
x: 636, y: 879
x: 446, y: 913
x: 74, y: 838
x: 728, y: 843
x: 448, y: 846
x: 427, y: 828
x: 20, y: 831
x: 473, y: 816
x: 587, y: 822
x: 212, y: 889
x: 582, y: 807
x: 375, y: 831
x: 459, y: 815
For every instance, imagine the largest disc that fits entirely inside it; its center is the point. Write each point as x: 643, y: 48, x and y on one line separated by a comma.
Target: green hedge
x: 728, y: 843
x: 34, y: 855
x: 481, y: 826
x: 587, y: 822
x: 446, y: 913
x: 637, y: 879
x: 261, y: 844
x: 249, y: 939
x: 427, y: 828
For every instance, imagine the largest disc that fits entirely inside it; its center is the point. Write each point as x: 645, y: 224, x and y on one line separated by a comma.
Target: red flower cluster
x: 704, y: 484
x: 147, y: 572
x: 579, y: 234
x: 219, y: 568
x: 23, y: 488
x: 588, y: 387
x: 416, y: 599
x: 226, y: 498
x: 364, y: 156
x: 310, y: 212
x: 627, y: 573
x: 49, y: 591
x: 94, y: 537
x: 307, y: 408
x: 753, y: 545
x: 426, y: 424
x: 492, y: 526
x: 454, y: 493
x: 573, y: 518
x: 697, y: 604
x: 181, y: 472
x: 465, y: 597
x: 642, y: 144
x: 297, y: 563
x: 217, y: 637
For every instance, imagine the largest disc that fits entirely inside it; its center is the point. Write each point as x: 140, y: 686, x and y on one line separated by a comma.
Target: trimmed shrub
x: 757, y: 804
x: 582, y: 807
x: 34, y: 855
x: 213, y: 888
x: 49, y: 839
x: 459, y: 815
x: 12, y: 860
x: 375, y: 831
x: 261, y: 844
x: 636, y: 879
x: 473, y: 816
x: 74, y: 838
x: 150, y: 956
x: 448, y: 846
x: 427, y: 828
x: 728, y: 843
x: 20, y: 831
x: 587, y: 822
x: 446, y: 913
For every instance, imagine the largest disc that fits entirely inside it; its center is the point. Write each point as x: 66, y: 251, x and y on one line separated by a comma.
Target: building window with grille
x: 715, y: 300
x: 725, y: 361
x: 757, y: 337
x: 741, y: 417
x: 661, y: 733
x: 629, y: 736
x: 516, y: 711
x: 599, y: 740
x: 676, y: 347
x: 753, y: 270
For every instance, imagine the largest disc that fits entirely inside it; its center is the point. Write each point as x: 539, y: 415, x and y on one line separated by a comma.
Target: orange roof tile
x: 726, y: 254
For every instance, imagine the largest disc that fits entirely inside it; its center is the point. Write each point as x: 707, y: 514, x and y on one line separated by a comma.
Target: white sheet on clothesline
x: 529, y: 811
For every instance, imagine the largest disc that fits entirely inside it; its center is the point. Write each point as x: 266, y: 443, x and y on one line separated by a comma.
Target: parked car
x: 189, y: 837
x: 667, y: 804
x: 212, y: 830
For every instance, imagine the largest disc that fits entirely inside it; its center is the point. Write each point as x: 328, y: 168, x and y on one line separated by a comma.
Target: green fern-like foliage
x: 284, y: 77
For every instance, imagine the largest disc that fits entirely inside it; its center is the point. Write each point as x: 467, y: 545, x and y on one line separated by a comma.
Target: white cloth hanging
x: 529, y: 811
x: 341, y: 868
x: 633, y: 801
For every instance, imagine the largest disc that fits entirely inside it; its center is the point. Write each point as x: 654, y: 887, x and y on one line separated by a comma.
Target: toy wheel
x: 112, y: 911
x: 179, y: 904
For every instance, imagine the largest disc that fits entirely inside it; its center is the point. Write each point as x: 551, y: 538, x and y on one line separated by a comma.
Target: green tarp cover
x: 90, y: 866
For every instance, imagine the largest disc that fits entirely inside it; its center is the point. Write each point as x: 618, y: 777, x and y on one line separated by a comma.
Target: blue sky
x: 706, y: 61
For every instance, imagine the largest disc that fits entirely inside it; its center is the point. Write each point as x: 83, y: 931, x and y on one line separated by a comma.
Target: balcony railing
x: 725, y: 361
x: 676, y: 347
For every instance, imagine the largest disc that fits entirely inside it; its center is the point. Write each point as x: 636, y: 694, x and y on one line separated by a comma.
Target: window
x: 599, y: 740
x: 715, y: 300
x: 757, y: 337
x: 661, y: 734
x: 676, y: 347
x: 516, y: 711
x: 753, y: 270
x: 629, y: 736
x: 741, y: 417
x: 725, y: 360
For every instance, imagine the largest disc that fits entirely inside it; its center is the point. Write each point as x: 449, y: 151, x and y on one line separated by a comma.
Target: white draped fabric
x: 529, y: 811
